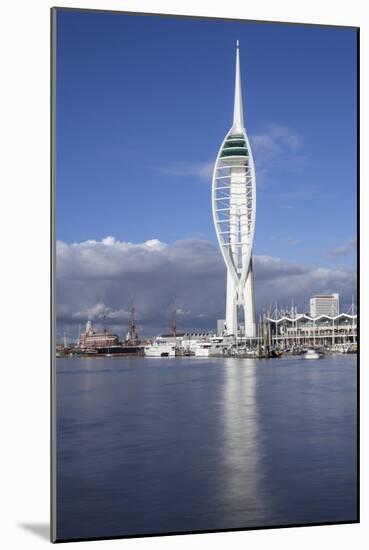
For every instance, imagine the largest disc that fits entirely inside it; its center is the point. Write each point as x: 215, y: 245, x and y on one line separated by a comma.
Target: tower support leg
x: 231, y: 308
x: 249, y: 305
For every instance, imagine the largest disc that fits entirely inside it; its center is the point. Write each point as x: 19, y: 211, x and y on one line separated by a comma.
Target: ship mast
x: 132, y: 325
x: 174, y: 323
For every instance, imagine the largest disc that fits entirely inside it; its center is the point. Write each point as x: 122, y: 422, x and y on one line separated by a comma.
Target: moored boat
x: 312, y: 354
x: 202, y: 349
x: 160, y: 349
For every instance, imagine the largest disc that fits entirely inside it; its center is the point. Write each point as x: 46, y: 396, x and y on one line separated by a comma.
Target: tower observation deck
x: 234, y: 209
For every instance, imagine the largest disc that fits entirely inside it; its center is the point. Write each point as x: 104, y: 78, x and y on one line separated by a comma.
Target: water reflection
x: 147, y: 446
x: 242, y: 488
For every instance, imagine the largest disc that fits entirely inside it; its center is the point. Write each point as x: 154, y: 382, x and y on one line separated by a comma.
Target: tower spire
x: 238, y: 124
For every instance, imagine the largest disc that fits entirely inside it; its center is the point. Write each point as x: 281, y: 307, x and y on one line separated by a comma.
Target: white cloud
x: 110, y: 276
x: 277, y: 146
x: 200, y: 170
x: 108, y: 240
x: 348, y: 247
x: 275, y: 141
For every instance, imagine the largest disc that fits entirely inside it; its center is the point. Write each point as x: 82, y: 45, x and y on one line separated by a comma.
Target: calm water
x: 163, y: 445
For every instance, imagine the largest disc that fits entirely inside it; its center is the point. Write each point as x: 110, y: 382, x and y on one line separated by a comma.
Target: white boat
x: 203, y: 349
x: 312, y: 354
x: 340, y: 348
x: 243, y: 351
x: 198, y: 348
x: 160, y: 349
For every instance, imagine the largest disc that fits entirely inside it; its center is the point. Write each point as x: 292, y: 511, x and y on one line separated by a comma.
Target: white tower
x: 234, y: 209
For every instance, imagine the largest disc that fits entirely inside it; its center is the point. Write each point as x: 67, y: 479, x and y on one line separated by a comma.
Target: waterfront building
x: 324, y: 304
x: 304, y: 330
x: 234, y: 210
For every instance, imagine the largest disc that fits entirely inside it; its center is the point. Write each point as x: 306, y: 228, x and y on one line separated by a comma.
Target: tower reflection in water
x: 244, y: 489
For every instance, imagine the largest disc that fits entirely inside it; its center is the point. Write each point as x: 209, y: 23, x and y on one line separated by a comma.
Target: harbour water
x: 147, y: 446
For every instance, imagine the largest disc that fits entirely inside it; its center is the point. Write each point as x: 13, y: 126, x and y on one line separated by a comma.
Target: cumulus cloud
x: 94, y: 276
x: 281, y: 281
x: 108, y: 276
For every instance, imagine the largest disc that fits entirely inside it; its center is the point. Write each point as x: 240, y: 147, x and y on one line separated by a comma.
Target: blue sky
x: 143, y: 104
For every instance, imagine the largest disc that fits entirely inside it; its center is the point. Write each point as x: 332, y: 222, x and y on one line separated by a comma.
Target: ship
x: 95, y: 343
